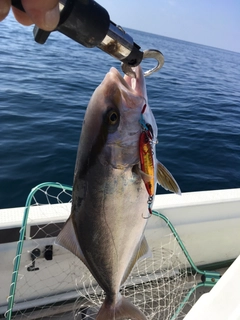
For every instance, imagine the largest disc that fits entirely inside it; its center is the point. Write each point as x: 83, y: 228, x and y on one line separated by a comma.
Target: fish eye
x: 113, y: 117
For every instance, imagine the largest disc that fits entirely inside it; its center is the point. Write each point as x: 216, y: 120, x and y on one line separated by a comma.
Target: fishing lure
x: 146, y: 161
x: 146, y: 158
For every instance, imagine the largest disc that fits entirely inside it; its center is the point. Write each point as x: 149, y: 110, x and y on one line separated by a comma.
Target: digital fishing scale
x: 89, y: 24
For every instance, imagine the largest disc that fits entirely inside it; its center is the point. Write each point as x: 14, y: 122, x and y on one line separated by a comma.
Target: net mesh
x: 54, y: 284
x: 157, y: 290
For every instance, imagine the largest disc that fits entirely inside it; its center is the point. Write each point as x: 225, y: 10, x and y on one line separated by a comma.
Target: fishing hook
x: 147, y: 54
x: 149, y: 202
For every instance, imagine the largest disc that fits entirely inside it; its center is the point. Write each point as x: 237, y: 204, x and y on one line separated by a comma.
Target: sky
x: 214, y: 23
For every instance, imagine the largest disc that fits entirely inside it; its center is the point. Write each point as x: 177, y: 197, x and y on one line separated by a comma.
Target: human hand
x: 44, y: 13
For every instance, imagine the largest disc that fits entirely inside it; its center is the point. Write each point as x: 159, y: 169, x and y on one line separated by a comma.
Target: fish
x: 110, y: 198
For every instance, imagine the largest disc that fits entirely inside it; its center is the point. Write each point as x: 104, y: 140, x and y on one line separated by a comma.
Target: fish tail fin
x: 122, y: 310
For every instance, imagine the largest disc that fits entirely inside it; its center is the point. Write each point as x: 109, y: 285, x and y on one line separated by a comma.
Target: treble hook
x: 147, y: 54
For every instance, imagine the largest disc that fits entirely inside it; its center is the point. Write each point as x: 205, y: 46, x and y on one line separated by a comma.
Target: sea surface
x: 44, y: 91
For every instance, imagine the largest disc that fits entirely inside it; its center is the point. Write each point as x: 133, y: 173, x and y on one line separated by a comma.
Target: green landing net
x: 48, y: 282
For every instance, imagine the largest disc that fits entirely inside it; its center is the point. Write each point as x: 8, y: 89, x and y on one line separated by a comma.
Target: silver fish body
x: 109, y: 202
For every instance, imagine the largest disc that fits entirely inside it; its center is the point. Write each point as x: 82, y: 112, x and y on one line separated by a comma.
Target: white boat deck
x: 207, y: 222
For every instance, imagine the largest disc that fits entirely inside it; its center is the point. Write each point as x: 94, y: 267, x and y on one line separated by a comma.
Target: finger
x: 22, y: 17
x: 44, y: 13
x: 4, y: 8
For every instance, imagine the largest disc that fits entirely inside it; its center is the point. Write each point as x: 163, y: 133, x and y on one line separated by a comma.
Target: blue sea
x: 44, y: 91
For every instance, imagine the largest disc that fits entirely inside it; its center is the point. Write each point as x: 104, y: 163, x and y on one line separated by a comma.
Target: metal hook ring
x: 150, y: 53
x: 153, y: 54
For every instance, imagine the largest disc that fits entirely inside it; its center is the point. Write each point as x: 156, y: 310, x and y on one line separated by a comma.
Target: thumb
x: 44, y: 13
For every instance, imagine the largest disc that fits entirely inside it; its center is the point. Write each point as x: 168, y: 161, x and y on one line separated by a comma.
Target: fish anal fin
x: 67, y: 238
x: 122, y: 310
x: 142, y: 251
x: 166, y: 180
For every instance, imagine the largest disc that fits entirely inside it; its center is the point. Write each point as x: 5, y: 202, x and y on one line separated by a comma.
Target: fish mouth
x: 129, y: 82
x: 132, y: 90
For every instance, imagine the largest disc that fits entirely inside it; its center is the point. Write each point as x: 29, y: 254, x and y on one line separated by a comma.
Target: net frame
x: 208, y: 278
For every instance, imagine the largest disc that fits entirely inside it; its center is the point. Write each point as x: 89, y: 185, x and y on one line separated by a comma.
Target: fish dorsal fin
x: 67, y: 239
x: 142, y: 251
x: 166, y: 180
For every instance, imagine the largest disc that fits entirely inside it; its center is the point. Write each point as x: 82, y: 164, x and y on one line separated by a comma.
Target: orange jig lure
x: 146, y: 161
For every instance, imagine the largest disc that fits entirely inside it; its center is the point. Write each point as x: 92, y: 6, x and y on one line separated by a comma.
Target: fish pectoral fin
x: 166, y: 180
x: 143, y: 251
x: 146, y: 177
x: 67, y: 239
